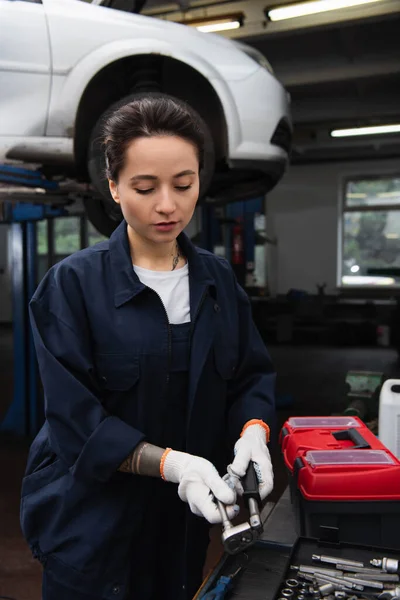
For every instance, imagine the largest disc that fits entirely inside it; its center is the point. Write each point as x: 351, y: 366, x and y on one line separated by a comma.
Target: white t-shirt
x: 173, y: 289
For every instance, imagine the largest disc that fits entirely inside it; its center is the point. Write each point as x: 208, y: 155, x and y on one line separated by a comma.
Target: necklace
x: 176, y: 257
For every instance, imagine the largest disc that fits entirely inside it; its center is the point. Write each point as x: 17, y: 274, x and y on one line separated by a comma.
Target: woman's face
x: 158, y: 187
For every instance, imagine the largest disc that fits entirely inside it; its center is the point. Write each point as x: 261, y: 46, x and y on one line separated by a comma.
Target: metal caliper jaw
x: 237, y: 538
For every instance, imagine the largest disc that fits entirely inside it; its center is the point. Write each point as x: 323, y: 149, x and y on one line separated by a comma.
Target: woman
x: 152, y: 369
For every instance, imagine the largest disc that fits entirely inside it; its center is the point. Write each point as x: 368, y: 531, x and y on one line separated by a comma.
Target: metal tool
x: 372, y: 573
x: 311, y: 569
x: 340, y: 583
x: 252, y: 498
x: 384, y: 577
x: 391, y: 565
x: 292, y: 583
x: 237, y: 538
x: 376, y: 585
x: 390, y: 594
x: 287, y: 593
x: 326, y: 589
x: 334, y: 561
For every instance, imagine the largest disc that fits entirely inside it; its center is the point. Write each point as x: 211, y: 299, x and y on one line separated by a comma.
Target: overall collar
x: 126, y: 283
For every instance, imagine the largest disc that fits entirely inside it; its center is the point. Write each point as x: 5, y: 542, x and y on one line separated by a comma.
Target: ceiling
x: 342, y: 69
x: 343, y: 75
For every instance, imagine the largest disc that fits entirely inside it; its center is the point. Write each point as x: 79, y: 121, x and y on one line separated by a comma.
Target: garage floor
x: 309, y: 378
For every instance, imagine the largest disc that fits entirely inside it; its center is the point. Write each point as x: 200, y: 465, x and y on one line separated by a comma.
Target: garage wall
x: 302, y: 215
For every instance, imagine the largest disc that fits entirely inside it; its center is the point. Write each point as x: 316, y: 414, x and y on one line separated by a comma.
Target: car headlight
x: 255, y: 55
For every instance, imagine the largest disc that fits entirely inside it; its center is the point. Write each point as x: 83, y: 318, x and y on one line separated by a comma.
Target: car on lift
x: 65, y: 63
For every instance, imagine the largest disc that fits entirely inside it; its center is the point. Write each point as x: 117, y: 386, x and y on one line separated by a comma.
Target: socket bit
x: 326, y: 589
x: 390, y: 594
x: 312, y: 570
x: 340, y: 583
x: 376, y: 585
x: 384, y: 577
x: 363, y: 570
x: 334, y: 561
x: 391, y: 565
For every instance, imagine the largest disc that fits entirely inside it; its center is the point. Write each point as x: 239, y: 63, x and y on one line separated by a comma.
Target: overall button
x: 217, y: 308
x: 116, y: 589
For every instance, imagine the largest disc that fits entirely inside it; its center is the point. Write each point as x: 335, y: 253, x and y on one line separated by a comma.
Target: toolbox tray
x: 304, y: 548
x: 269, y: 563
x: 260, y: 579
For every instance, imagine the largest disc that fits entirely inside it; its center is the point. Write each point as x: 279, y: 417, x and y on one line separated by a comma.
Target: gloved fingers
x: 233, y: 481
x: 202, y: 503
x: 265, y: 476
x: 232, y: 511
x: 241, y: 461
x: 219, y: 487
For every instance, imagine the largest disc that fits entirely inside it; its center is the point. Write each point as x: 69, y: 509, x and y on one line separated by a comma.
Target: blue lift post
x: 24, y: 414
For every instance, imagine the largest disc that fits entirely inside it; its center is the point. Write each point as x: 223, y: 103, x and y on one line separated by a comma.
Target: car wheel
x: 104, y: 214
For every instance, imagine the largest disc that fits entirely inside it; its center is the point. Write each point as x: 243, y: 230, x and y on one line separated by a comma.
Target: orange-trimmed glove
x: 199, y: 482
x: 252, y: 446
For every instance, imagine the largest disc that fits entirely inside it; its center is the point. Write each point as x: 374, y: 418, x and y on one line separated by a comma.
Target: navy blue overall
x: 111, y: 379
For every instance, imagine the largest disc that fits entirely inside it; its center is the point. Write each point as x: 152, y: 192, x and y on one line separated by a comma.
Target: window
x: 60, y: 237
x: 93, y: 235
x: 67, y: 236
x: 370, y: 254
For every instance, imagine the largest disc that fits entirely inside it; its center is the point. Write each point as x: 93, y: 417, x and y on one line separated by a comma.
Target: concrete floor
x: 311, y: 378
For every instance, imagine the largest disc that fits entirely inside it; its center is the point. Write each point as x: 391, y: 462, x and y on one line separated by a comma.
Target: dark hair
x: 148, y: 116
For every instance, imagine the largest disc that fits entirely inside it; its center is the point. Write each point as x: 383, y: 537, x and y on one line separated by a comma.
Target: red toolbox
x: 344, y: 481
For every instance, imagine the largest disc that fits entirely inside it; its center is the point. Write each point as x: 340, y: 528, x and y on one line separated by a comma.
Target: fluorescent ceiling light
x: 214, y: 24
x: 356, y: 195
x: 392, y: 236
x: 375, y: 130
x: 367, y: 280
x: 389, y: 194
x: 303, y: 9
x: 218, y: 26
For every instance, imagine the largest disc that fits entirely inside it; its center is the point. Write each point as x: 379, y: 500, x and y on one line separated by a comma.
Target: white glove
x: 252, y: 446
x: 198, y: 482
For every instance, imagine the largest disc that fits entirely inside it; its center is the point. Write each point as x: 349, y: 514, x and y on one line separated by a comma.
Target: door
x: 25, y: 68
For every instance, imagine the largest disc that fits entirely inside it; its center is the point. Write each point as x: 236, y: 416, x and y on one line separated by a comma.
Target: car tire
x: 104, y: 214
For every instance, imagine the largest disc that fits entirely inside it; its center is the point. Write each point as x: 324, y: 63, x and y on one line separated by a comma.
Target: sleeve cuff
x: 257, y: 422
x: 108, y: 446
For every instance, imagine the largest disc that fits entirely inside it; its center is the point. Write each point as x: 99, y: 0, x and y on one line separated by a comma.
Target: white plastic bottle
x: 389, y: 415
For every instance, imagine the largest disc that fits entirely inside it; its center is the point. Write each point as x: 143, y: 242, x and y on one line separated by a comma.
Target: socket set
x: 334, y: 578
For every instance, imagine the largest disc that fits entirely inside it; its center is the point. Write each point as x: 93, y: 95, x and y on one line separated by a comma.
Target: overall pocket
x: 117, y: 372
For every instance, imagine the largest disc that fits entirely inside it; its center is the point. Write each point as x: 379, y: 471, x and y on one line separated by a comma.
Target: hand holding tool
x: 236, y: 538
x: 252, y: 447
x: 199, y: 482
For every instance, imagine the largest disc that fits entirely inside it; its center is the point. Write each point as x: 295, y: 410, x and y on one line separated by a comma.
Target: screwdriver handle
x: 250, y: 485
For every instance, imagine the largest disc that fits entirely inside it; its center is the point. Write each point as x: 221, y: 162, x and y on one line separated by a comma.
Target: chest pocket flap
x: 225, y: 359
x: 117, y: 372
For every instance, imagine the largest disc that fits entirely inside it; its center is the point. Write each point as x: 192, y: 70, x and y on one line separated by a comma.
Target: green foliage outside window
x: 41, y: 233
x: 67, y: 235
x: 371, y: 238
